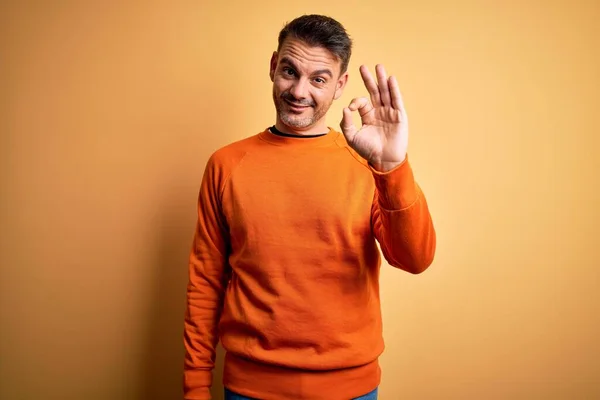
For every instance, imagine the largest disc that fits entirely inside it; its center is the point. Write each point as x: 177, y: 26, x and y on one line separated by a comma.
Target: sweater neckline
x: 291, y: 141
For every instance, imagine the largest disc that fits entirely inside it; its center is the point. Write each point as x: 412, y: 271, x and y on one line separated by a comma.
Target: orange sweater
x: 284, y: 268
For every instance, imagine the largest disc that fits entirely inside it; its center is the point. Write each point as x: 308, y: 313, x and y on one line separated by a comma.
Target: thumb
x: 348, y: 128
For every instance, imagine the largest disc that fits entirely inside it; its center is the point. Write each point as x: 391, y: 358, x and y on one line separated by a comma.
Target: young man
x: 284, y: 268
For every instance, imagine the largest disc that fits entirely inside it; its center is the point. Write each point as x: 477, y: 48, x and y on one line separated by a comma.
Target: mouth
x: 296, y: 106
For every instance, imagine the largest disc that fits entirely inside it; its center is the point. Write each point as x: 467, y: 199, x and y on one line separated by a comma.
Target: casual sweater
x: 284, y: 267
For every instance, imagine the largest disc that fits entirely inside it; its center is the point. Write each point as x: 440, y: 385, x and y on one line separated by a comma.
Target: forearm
x: 401, y: 219
x: 204, y: 304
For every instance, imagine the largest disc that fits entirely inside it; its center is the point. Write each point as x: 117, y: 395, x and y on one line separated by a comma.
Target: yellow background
x: 109, y: 111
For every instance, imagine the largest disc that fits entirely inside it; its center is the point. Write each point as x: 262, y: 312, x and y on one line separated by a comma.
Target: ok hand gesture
x: 383, y: 137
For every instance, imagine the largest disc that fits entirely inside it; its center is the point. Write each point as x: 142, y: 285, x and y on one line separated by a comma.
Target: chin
x: 295, y: 121
x: 303, y: 123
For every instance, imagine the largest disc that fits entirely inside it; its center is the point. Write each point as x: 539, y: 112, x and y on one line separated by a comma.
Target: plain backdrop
x: 109, y: 111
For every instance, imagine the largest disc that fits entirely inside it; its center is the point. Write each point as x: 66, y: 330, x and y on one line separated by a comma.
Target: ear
x: 340, y: 85
x: 273, y: 65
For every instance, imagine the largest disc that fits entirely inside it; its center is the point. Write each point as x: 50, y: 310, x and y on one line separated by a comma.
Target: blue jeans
x: 229, y: 395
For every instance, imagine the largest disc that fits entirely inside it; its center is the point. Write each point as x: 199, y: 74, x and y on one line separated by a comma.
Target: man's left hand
x: 383, y: 138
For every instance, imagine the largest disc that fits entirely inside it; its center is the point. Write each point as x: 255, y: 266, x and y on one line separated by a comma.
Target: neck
x: 317, y: 129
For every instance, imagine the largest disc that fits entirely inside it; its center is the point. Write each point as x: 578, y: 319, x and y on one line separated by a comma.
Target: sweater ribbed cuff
x: 396, y: 188
x: 197, y: 384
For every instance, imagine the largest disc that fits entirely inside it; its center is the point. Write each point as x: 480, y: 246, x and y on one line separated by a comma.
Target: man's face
x: 306, y: 80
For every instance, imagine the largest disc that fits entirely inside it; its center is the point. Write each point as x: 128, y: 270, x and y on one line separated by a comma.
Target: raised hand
x: 383, y: 137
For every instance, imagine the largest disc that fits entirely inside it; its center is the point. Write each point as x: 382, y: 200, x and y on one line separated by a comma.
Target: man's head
x: 309, y: 71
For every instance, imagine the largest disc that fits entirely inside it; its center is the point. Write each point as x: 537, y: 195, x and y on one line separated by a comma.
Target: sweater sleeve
x: 401, y: 220
x: 207, y: 281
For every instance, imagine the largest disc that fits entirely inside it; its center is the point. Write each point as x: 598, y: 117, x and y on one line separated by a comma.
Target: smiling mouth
x: 295, y: 105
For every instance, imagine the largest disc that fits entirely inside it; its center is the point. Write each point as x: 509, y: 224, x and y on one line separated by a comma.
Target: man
x: 284, y: 268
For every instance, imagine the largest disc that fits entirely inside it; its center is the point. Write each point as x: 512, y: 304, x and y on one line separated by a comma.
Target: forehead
x: 308, y: 57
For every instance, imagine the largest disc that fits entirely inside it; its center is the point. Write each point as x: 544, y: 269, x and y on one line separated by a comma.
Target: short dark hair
x: 321, y: 31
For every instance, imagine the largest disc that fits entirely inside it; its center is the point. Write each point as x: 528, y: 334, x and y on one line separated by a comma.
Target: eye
x: 288, y: 71
x: 320, y: 80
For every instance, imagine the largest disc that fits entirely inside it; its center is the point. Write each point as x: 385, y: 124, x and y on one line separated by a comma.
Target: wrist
x: 386, y: 166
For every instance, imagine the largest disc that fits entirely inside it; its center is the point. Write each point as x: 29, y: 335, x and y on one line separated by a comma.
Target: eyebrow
x: 287, y: 60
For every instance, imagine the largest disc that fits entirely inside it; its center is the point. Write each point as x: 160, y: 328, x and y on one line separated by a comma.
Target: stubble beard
x: 295, y: 120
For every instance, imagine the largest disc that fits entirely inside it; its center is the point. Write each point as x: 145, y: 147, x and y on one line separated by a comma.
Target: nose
x: 299, y: 89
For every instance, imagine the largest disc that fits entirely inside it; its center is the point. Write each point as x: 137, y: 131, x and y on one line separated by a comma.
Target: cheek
x: 324, y: 95
x: 281, y: 84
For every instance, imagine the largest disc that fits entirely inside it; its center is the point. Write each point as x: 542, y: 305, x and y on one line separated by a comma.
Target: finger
x: 348, y: 128
x: 382, y: 82
x: 397, y: 101
x: 361, y: 104
x: 370, y: 84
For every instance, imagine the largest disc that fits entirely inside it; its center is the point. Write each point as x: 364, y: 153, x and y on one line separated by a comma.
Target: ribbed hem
x: 269, y: 382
